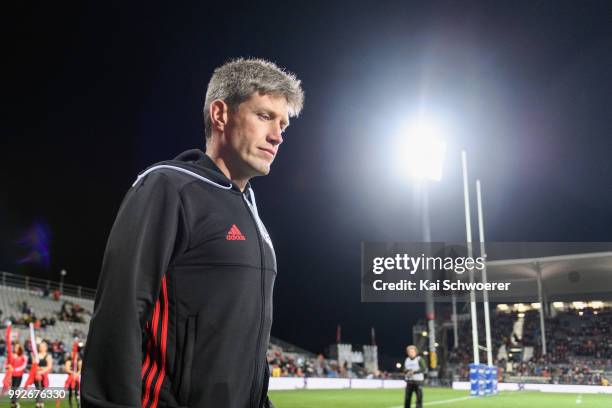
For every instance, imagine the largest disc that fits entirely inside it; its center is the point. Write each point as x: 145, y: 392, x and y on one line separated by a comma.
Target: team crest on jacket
x: 234, y: 234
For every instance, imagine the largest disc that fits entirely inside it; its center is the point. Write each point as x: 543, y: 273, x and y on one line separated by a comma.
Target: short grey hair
x: 235, y: 81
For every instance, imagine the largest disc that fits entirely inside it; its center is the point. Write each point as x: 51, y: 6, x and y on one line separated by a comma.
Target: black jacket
x: 183, y: 311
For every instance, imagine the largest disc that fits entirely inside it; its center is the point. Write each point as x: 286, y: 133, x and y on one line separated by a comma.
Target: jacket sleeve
x: 147, y: 234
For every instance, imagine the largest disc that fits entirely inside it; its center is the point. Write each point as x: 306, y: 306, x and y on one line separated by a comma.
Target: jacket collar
x: 196, y: 160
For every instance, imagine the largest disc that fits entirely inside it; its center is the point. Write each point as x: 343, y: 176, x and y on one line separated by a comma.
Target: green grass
x: 437, y: 396
x: 440, y: 397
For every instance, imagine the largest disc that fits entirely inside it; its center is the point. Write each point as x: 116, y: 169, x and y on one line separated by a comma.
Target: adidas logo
x: 234, y: 234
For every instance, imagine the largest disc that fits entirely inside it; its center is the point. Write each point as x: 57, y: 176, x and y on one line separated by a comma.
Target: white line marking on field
x: 439, y: 401
x: 579, y: 399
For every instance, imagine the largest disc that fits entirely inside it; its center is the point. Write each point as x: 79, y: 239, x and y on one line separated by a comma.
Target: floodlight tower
x: 426, y: 152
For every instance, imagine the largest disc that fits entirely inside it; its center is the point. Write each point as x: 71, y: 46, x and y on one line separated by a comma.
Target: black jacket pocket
x: 187, y: 363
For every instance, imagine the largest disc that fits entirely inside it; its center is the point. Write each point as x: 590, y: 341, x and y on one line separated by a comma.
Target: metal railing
x: 45, y: 285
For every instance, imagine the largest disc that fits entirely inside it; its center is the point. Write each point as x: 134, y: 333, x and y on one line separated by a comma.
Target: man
x: 414, y: 369
x: 183, y: 311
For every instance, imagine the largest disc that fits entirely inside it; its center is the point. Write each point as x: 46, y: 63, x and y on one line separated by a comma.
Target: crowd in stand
x: 579, y: 346
x: 281, y: 364
x: 284, y: 364
x: 295, y: 365
x: 69, y: 311
x: 27, y: 316
x: 72, y: 312
x: 583, y: 374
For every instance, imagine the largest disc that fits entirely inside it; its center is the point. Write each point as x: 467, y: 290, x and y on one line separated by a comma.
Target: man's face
x: 254, y: 132
x: 411, y: 352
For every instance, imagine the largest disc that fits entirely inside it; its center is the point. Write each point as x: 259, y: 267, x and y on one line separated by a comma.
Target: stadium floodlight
x: 398, y: 365
x: 424, y: 334
x: 596, y: 304
x: 558, y: 305
x: 63, y: 273
x: 520, y: 307
x: 419, y: 155
x: 578, y: 305
x: 535, y: 305
x: 421, y: 151
x: 502, y: 306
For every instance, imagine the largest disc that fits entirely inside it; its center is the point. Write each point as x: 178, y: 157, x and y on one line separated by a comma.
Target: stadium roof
x: 567, y: 277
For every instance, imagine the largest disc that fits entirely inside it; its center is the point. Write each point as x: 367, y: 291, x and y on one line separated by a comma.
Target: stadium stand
x: 62, y: 321
x: 59, y: 318
x: 289, y: 363
x: 578, y: 341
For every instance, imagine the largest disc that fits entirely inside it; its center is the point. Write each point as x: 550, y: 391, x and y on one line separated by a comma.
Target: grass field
x: 434, y: 397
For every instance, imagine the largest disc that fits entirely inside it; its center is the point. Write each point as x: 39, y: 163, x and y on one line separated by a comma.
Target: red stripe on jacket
x: 151, y: 375
x: 164, y: 334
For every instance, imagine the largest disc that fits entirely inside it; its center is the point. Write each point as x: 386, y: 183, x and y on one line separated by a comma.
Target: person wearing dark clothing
x: 45, y: 365
x: 414, y: 369
x: 183, y: 310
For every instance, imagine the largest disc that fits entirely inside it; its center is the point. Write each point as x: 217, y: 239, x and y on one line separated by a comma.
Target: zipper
x: 185, y: 383
x: 254, y: 391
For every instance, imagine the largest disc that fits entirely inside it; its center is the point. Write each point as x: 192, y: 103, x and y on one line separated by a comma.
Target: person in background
x: 72, y: 366
x: 17, y: 365
x: 414, y: 371
x: 45, y: 365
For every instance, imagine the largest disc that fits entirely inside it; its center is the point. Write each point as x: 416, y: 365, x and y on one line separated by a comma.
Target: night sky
x: 93, y: 92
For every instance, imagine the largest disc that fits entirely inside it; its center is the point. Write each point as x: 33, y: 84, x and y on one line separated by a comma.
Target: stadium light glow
x: 520, y: 307
x: 424, y: 334
x: 596, y: 304
x: 535, y: 305
x: 558, y: 305
x: 578, y: 305
x: 421, y: 152
x: 521, y: 315
x: 580, y: 313
x: 426, y: 353
x: 398, y: 366
x: 502, y: 306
